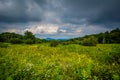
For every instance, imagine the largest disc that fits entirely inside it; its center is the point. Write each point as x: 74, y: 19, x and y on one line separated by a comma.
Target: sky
x: 59, y: 18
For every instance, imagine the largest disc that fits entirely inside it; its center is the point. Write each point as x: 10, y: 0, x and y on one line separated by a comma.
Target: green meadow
x: 68, y: 62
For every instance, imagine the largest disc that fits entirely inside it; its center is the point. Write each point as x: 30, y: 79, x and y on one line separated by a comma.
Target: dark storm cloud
x: 98, y: 12
x: 21, y: 10
x: 67, y: 11
x: 12, y: 27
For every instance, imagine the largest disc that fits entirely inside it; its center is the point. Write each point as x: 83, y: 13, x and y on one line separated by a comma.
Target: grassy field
x: 69, y: 62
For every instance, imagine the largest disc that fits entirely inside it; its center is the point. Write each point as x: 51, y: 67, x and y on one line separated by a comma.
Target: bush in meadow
x: 16, y: 41
x: 53, y: 43
x: 3, y: 45
x: 91, y: 41
x: 29, y: 41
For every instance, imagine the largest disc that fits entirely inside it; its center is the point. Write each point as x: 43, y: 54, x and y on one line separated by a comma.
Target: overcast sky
x: 59, y: 18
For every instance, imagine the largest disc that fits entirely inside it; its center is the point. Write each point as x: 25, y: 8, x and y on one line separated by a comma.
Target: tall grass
x: 69, y: 62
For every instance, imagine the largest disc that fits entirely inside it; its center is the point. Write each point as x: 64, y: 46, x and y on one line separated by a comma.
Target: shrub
x: 16, y: 41
x: 53, y: 43
x: 3, y: 45
x: 64, y: 43
x: 91, y: 41
x: 29, y: 41
x: 37, y: 40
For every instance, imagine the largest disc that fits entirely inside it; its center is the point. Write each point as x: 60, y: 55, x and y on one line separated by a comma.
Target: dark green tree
x: 29, y: 38
x: 29, y: 35
x: 107, y: 37
x: 7, y: 36
x: 115, y: 36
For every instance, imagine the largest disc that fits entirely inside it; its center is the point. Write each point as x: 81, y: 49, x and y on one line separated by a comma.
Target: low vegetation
x: 91, y: 41
x: 54, y: 43
x: 3, y: 45
x: 68, y: 62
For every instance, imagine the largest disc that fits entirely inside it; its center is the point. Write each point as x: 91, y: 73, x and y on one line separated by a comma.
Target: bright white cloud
x: 43, y: 28
x: 62, y: 30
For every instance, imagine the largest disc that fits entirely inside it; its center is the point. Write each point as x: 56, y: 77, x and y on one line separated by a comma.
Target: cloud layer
x: 59, y: 18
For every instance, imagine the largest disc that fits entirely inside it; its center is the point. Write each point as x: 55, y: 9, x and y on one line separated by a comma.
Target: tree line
x: 14, y: 38
x: 107, y: 37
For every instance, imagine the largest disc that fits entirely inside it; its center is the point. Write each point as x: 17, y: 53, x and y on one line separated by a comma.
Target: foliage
x: 37, y: 40
x: 14, y: 38
x: 53, y: 43
x: 7, y: 36
x: 104, y: 38
x: 16, y: 41
x: 28, y: 35
x: 91, y: 41
x: 29, y: 41
x: 109, y: 37
x: 3, y: 45
x: 70, y: 62
x: 64, y: 43
x: 114, y: 56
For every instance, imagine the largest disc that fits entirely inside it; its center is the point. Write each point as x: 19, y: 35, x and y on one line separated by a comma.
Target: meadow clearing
x: 64, y: 62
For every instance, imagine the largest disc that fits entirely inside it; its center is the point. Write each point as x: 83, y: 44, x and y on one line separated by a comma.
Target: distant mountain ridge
x: 60, y: 39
